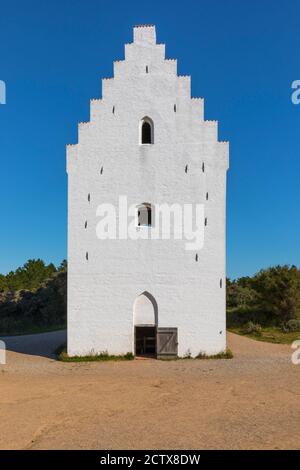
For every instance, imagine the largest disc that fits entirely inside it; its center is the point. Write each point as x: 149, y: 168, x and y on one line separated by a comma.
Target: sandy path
x: 251, y: 401
x: 43, y: 344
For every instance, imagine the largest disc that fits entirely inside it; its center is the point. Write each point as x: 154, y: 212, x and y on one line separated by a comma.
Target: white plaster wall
x: 102, y: 290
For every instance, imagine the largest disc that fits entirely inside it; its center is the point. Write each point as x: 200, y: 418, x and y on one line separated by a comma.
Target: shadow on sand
x: 41, y: 344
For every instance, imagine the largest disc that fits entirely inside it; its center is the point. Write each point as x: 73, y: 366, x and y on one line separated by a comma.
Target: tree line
x: 30, y: 276
x: 33, y: 298
x: 272, y: 296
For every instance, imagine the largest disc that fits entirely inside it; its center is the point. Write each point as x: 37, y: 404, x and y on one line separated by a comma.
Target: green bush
x: 270, y: 297
x: 278, y: 290
x: 291, y: 325
x: 240, y: 316
x: 44, y: 308
x: 239, y: 293
x: 252, y: 328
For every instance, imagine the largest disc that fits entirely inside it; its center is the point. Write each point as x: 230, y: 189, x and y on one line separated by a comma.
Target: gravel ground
x: 249, y: 402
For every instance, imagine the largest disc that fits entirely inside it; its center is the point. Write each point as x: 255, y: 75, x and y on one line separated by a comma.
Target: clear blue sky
x: 242, y: 56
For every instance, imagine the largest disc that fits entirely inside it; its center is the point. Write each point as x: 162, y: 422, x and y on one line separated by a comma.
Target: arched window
x: 144, y: 215
x: 146, y: 131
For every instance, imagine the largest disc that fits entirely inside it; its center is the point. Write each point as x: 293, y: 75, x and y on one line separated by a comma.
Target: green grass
x: 270, y: 334
x: 104, y: 356
x: 224, y: 355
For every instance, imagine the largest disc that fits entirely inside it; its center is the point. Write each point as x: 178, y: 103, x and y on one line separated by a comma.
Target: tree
x: 3, y: 283
x: 240, y: 294
x: 278, y: 289
x: 30, y: 276
x: 63, y: 266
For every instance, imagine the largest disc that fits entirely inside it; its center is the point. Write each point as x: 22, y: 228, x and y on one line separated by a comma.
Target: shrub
x: 291, y: 325
x: 240, y: 316
x: 271, y: 297
x: 43, y: 308
x: 278, y: 289
x: 240, y: 293
x: 223, y: 355
x: 188, y: 354
x: 252, y: 328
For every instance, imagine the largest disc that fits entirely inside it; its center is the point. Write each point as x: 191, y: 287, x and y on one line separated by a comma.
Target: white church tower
x: 146, y: 144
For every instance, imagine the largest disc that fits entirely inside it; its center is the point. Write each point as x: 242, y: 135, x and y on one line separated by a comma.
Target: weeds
x: 62, y: 355
x: 223, y: 355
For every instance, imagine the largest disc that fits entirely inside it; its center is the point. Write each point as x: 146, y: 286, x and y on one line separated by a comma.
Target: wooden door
x: 167, y: 343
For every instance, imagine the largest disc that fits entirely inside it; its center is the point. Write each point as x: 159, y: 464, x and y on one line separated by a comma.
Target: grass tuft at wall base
x: 62, y: 355
x: 223, y: 355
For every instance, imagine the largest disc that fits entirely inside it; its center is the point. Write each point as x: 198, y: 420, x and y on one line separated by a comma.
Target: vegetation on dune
x: 30, y: 276
x: 270, y: 334
x: 267, y: 305
x: 33, y: 298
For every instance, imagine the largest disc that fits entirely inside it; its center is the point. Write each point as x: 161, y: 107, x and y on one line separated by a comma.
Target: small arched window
x: 146, y: 131
x: 144, y: 215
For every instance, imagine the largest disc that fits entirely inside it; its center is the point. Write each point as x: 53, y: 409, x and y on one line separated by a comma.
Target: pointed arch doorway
x: 145, y: 319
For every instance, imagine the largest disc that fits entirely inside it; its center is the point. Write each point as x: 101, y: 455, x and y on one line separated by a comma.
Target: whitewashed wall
x: 102, y: 290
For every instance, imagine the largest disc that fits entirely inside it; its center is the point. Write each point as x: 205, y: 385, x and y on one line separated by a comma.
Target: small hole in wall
x: 147, y: 69
x: 207, y: 196
x: 86, y: 256
x: 220, y: 332
x: 101, y: 170
x: 205, y: 221
x: 113, y: 110
x: 175, y: 108
x: 186, y: 168
x: 203, y: 167
x: 85, y: 225
x: 196, y: 257
x: 89, y: 197
x: 221, y: 283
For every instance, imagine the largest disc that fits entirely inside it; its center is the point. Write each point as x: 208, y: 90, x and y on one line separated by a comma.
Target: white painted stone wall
x: 103, y: 289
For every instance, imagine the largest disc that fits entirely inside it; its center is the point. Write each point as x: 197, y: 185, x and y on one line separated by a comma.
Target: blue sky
x: 242, y: 56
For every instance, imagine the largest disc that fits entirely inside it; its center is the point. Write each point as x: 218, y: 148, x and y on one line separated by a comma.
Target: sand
x: 249, y: 402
